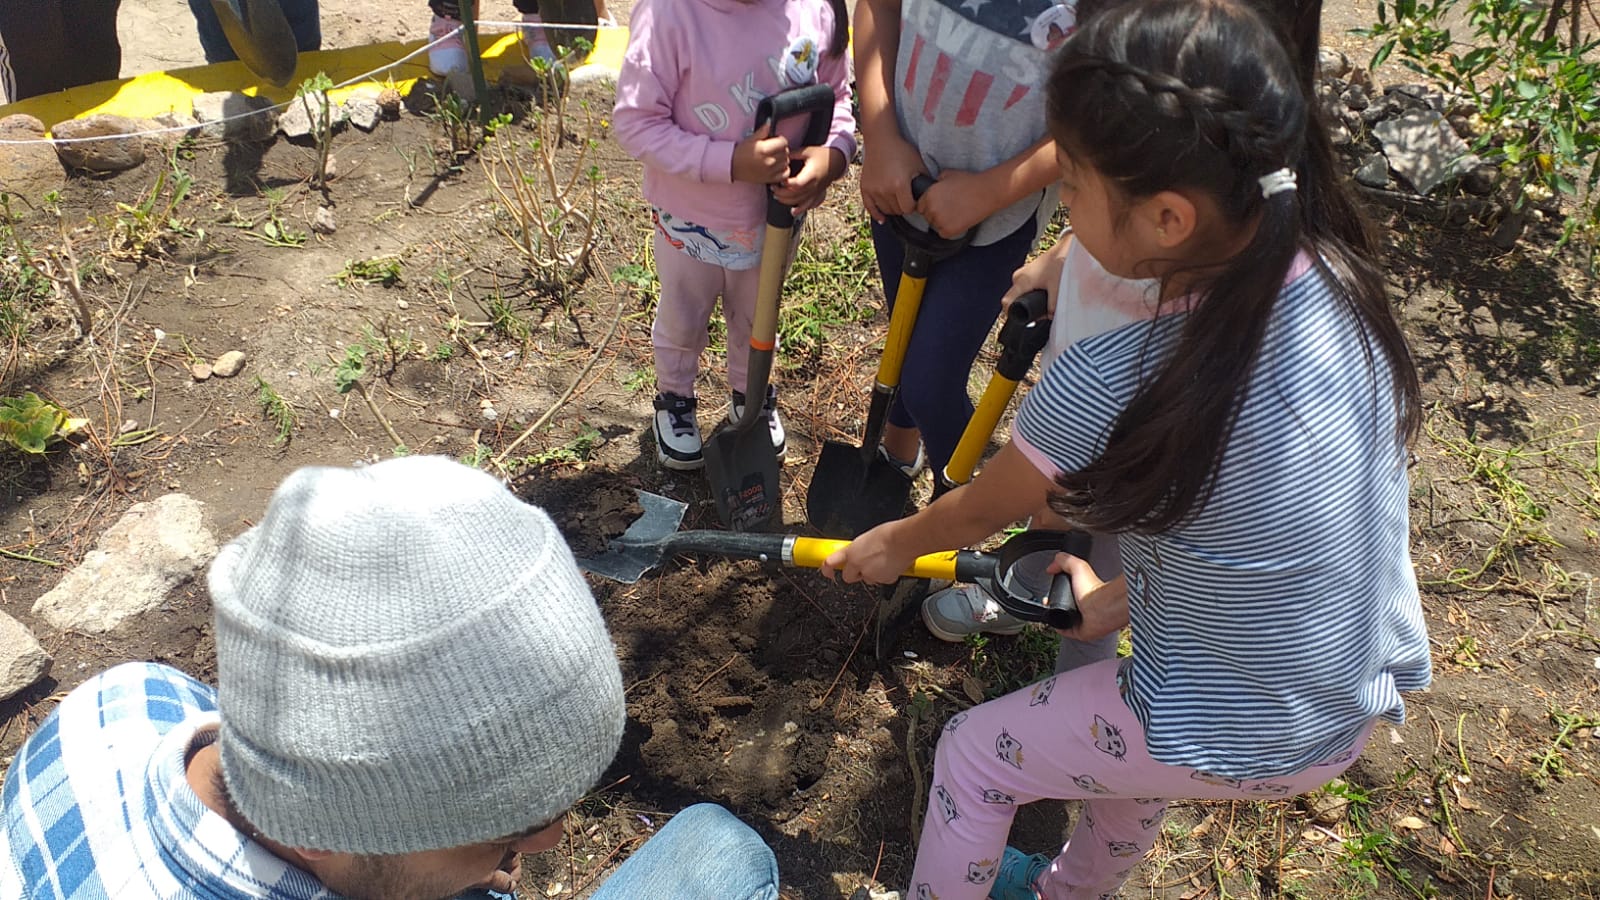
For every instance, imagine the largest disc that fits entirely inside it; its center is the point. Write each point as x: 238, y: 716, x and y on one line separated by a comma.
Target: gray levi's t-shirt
x: 970, y: 88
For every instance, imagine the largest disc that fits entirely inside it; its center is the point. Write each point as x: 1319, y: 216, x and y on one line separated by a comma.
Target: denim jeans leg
x: 704, y: 853
x: 303, y: 16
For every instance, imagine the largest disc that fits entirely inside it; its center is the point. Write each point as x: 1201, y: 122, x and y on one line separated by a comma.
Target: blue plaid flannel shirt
x: 96, y: 803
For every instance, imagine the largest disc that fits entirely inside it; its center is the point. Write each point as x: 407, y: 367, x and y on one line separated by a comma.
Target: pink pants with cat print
x: 1067, y: 737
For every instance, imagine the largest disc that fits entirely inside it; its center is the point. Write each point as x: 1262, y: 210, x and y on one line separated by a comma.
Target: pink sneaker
x: 450, y: 54
x: 534, y: 44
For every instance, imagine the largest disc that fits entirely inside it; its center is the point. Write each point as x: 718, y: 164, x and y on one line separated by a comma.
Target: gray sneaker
x: 955, y: 612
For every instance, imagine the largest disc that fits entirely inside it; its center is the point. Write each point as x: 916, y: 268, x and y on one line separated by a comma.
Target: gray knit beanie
x: 408, y: 660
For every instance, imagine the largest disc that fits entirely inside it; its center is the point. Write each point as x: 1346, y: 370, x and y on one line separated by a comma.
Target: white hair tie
x: 1277, y: 182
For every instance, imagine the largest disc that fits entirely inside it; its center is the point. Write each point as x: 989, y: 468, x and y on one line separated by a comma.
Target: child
x: 954, y: 89
x: 686, y: 98
x: 450, y: 55
x: 1247, y: 446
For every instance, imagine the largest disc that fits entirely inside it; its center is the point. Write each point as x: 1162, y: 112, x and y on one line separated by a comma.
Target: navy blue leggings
x: 304, y: 20
x: 959, y: 306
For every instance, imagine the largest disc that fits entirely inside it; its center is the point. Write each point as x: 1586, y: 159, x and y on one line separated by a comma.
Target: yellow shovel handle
x: 979, y: 428
x: 809, y: 553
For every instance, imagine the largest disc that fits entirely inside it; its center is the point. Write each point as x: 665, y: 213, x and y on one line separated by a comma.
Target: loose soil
x: 765, y: 689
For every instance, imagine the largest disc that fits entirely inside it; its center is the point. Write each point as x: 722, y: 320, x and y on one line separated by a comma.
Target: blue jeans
x: 304, y: 20
x: 959, y: 306
x: 704, y: 853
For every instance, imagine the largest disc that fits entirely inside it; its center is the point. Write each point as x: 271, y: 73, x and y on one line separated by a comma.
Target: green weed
x: 577, y: 450
x: 1006, y: 666
x: 380, y: 270
x: 278, y: 412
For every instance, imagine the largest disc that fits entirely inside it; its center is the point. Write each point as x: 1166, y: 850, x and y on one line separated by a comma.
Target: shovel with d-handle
x: 654, y: 536
x: 853, y: 488
x: 260, y: 35
x: 741, y: 463
x: 1022, y: 336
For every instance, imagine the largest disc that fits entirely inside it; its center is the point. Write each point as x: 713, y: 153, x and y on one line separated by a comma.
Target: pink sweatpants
x: 689, y: 292
x: 1070, y: 736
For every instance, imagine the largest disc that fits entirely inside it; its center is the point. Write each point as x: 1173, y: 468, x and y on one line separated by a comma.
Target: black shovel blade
x: 850, y: 494
x: 260, y: 35
x: 742, y: 467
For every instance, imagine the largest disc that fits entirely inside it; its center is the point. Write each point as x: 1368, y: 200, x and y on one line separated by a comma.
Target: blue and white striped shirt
x: 1283, y: 618
x: 97, y: 804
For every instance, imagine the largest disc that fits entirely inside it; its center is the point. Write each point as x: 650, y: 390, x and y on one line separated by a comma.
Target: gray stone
x: 1423, y: 150
x: 154, y: 547
x: 1378, y: 110
x: 200, y: 371
x: 228, y: 364
x: 1482, y: 180
x: 1339, y: 135
x: 108, y: 143
x: 323, y: 222
x: 1356, y: 98
x: 1327, y: 809
x: 28, y: 170
x: 303, y: 116
x: 216, y: 111
x: 1363, y: 77
x: 1373, y: 171
x: 363, y: 111
x: 1333, y: 63
x: 22, y: 660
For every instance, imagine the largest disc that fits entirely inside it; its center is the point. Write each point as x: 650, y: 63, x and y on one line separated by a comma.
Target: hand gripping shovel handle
x: 816, y: 101
x: 1024, y: 334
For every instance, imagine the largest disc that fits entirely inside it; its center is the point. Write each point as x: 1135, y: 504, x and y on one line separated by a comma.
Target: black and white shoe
x: 678, y: 443
x: 769, y: 408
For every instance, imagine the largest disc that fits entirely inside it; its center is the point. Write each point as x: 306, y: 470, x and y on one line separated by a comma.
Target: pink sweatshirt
x: 690, y: 82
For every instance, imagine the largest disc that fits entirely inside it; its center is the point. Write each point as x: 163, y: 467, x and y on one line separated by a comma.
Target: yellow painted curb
x: 154, y: 93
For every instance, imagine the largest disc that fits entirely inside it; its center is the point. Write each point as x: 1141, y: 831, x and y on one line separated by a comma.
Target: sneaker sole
x: 681, y: 465
x: 956, y: 637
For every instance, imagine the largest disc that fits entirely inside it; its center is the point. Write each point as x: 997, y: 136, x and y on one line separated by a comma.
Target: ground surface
x: 757, y: 687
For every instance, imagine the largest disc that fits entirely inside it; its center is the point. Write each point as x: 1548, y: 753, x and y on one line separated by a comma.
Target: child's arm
x: 1042, y: 273
x: 643, y: 122
x: 960, y: 200
x: 890, y: 162
x: 1007, y: 490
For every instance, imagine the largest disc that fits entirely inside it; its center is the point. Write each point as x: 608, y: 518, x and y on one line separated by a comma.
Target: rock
x: 232, y: 116
x: 1363, y: 78
x: 1326, y: 809
x: 303, y: 116
x: 152, y: 548
x: 1356, y: 98
x: 322, y: 221
x: 1373, y: 171
x: 1415, y: 96
x: 1339, y: 135
x: 1378, y: 110
x: 22, y: 660
x: 1482, y: 180
x: 100, y: 143
x: 363, y: 111
x: 1332, y: 63
x: 29, y: 170
x: 390, y: 101
x: 1423, y: 150
x: 200, y: 371
x: 228, y: 364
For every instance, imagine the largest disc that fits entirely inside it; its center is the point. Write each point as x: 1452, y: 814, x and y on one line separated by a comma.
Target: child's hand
x: 1104, y: 604
x: 761, y: 158
x: 872, y: 557
x: 886, y: 172
x: 1042, y: 273
x: 957, y: 202
x: 804, y: 190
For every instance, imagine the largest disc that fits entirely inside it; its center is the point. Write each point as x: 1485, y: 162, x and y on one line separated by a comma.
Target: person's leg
x: 212, y: 40
x: 1070, y: 736
x: 54, y: 46
x: 959, y: 307
x: 305, y: 20
x: 739, y: 290
x: 303, y: 16
x: 704, y: 853
x: 689, y: 291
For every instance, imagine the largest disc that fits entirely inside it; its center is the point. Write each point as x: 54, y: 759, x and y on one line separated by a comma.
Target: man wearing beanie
x: 414, y: 686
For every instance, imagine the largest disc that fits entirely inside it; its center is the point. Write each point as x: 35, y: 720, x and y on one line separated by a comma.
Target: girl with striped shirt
x: 1247, y: 445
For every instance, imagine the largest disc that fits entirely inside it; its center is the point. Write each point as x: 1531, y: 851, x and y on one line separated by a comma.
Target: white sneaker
x: 534, y: 43
x: 450, y: 54
x: 780, y: 441
x: 909, y: 469
x: 955, y: 612
x: 678, y: 444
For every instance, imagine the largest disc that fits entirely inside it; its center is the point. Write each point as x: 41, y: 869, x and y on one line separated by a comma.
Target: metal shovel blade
x: 742, y: 466
x: 260, y: 35
x: 640, y: 548
x: 849, y: 494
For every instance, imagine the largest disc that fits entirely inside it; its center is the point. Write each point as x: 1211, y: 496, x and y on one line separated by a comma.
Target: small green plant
x: 478, y: 457
x: 30, y: 424
x: 24, y: 290
x: 149, y: 228
x: 1013, y: 664
x: 442, y: 352
x: 504, y: 321
x: 823, y: 291
x: 278, y: 412
x: 275, y: 232
x: 313, y: 98
x: 1532, y: 74
x: 1552, y: 763
x: 380, y: 270
x: 577, y: 450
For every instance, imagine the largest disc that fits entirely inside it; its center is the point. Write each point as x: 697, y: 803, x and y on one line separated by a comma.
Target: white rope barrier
x: 510, y: 27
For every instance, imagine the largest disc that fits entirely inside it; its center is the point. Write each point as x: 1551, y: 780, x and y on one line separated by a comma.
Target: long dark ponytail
x: 1202, y: 95
x: 840, y: 39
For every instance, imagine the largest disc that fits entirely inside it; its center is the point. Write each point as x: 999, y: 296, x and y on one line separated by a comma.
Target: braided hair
x: 1201, y: 95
